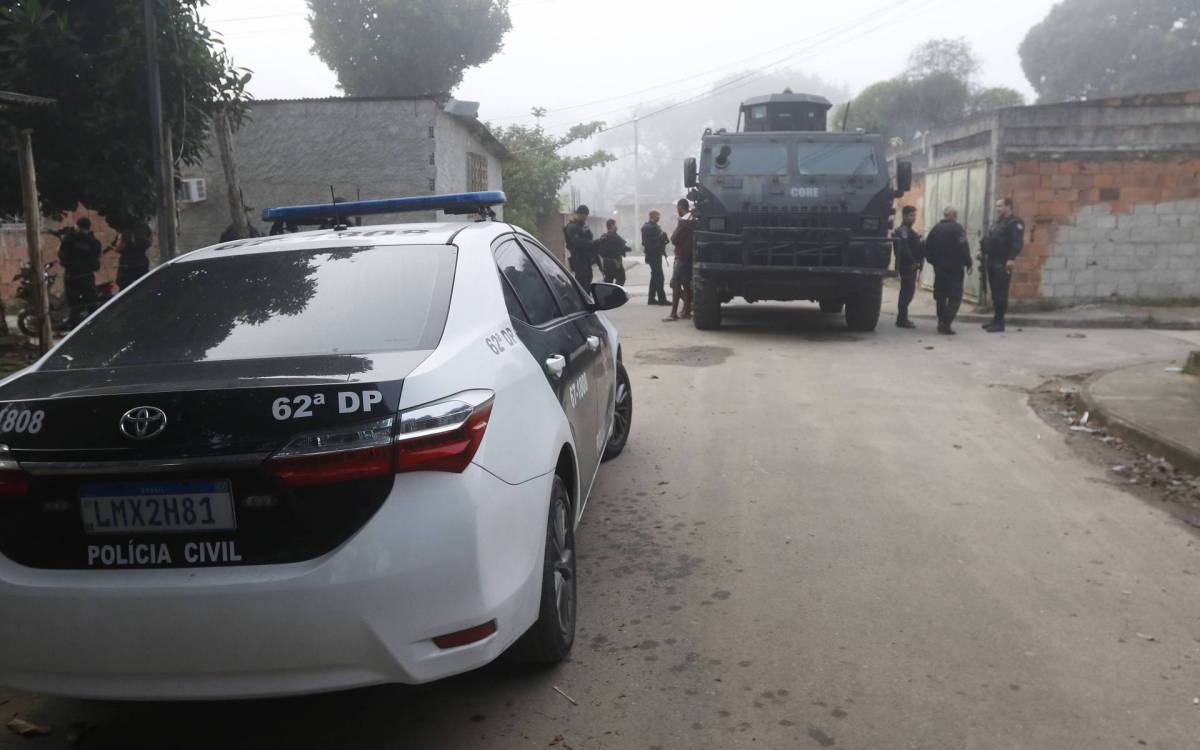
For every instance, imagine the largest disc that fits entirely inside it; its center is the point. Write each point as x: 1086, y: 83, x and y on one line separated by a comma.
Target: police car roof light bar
x: 454, y: 203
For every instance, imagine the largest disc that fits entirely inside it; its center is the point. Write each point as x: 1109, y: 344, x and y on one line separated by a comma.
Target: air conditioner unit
x: 192, y: 190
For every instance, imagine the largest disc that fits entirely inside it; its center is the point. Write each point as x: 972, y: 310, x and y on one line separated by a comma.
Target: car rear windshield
x: 838, y: 159
x: 348, y: 300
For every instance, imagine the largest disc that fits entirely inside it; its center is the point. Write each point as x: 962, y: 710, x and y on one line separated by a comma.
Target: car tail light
x: 14, y: 482
x: 356, y: 452
x: 445, y: 435
x: 441, y: 436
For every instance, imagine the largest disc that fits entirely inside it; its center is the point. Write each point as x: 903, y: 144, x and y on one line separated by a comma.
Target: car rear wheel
x: 550, y: 638
x: 832, y: 306
x: 863, y: 307
x: 622, y: 416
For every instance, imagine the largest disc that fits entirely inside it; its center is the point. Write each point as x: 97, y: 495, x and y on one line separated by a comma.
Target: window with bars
x: 477, y: 172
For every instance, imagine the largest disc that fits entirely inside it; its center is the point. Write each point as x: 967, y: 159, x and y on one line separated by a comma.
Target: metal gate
x: 965, y: 187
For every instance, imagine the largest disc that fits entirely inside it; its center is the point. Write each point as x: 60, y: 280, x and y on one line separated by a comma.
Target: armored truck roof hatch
x: 784, y: 112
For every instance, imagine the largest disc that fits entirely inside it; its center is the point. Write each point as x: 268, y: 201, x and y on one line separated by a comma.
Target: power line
x: 834, y: 29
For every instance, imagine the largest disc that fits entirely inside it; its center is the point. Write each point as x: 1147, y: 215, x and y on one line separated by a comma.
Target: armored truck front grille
x: 800, y: 217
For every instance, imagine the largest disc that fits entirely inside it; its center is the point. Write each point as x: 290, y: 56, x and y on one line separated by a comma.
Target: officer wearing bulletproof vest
x: 1003, y: 243
x: 582, y: 247
x: 654, y: 245
x: 910, y: 253
x: 947, y: 249
x: 79, y: 254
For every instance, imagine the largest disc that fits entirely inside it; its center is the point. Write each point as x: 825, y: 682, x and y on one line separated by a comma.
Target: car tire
x: 863, y: 307
x: 550, y: 638
x: 706, y: 305
x: 832, y: 306
x: 622, y: 416
x: 29, y: 322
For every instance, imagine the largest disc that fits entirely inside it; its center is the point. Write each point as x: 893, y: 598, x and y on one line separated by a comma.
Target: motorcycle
x: 29, y: 321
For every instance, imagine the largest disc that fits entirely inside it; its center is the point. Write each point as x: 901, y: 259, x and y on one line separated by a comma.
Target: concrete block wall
x: 1102, y: 230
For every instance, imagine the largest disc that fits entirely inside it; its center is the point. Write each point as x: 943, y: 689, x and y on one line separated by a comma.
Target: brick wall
x: 1103, y: 229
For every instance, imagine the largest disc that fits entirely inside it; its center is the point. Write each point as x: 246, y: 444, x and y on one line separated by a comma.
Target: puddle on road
x: 687, y: 356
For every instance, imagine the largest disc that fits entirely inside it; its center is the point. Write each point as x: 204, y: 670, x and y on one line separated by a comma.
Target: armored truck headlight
x: 870, y: 223
x: 716, y: 224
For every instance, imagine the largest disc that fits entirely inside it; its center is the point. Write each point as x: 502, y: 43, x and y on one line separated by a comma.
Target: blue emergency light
x: 452, y: 203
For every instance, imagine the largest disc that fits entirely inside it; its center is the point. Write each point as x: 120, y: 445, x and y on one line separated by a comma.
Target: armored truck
x: 785, y: 210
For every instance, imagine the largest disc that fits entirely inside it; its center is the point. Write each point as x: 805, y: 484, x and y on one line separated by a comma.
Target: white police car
x: 308, y: 462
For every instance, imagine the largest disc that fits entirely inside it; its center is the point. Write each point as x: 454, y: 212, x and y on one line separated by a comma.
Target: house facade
x: 1109, y: 190
x: 303, y: 151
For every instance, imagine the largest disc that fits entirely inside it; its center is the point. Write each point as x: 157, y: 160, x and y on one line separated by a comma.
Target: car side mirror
x: 608, y: 296
x: 904, y: 177
x: 689, y: 172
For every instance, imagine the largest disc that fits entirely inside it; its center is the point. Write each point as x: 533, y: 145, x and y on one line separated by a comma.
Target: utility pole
x: 166, y: 222
x: 233, y: 188
x: 637, y: 202
x: 33, y: 232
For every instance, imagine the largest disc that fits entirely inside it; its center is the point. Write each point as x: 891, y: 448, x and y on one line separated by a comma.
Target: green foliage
x: 937, y: 88
x: 953, y: 56
x: 535, y: 170
x: 94, y: 146
x: 405, y: 47
x: 1096, y: 48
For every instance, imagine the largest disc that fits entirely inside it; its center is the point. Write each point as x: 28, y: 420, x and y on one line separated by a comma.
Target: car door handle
x: 594, y: 343
x: 556, y: 365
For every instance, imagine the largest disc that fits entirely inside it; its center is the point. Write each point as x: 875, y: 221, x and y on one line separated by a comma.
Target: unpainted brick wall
x: 1102, y: 230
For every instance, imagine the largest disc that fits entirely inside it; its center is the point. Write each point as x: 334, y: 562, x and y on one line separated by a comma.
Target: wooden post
x: 233, y: 188
x: 33, y: 237
x: 168, y: 234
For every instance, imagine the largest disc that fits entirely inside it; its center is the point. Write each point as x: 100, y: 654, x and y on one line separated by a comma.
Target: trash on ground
x: 1082, y: 428
x: 1146, y: 637
x: 558, y: 690
x: 1077, y: 335
x: 20, y: 726
x: 1173, y: 369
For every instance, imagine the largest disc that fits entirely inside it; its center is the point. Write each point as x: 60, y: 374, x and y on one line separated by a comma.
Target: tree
x: 1095, y: 48
x: 535, y: 170
x: 405, y: 47
x: 953, y: 56
x: 996, y: 97
x: 94, y: 146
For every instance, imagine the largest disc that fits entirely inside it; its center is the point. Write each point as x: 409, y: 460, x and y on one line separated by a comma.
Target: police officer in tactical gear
x: 612, y: 248
x: 947, y: 249
x: 910, y: 254
x: 581, y: 246
x: 654, y: 245
x: 79, y: 254
x: 1003, y: 243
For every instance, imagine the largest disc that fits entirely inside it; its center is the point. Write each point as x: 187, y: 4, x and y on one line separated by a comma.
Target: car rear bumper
x: 445, y: 553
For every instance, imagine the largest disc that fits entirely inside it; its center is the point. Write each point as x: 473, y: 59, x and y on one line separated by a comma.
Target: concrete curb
x: 1017, y: 321
x: 1140, y: 436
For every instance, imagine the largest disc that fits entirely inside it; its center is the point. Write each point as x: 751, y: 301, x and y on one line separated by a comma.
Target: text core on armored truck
x: 787, y: 211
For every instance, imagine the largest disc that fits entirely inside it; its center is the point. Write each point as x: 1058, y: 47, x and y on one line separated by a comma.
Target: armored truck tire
x: 863, y: 306
x: 706, y: 304
x: 832, y: 306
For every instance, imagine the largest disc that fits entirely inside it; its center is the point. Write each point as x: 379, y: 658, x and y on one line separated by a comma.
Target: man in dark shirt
x: 654, y: 245
x: 1003, y: 243
x: 134, y: 262
x: 681, y: 278
x: 910, y: 252
x: 947, y: 249
x: 79, y: 254
x: 581, y: 246
x: 612, y: 248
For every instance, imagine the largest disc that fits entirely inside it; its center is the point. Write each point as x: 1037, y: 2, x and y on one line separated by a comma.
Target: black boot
x: 905, y: 323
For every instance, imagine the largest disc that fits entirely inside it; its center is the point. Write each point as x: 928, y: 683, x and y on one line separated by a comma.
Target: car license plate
x: 156, y: 507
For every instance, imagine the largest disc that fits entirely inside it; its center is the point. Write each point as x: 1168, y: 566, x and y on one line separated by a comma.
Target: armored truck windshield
x: 836, y: 159
x: 750, y: 159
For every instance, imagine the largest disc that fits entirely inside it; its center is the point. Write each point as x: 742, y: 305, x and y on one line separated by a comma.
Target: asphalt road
x: 814, y: 539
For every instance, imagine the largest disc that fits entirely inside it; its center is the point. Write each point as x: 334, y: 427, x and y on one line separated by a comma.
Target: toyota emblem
x: 143, y: 422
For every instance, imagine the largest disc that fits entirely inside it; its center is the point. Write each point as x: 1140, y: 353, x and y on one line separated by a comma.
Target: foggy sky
x: 563, y: 53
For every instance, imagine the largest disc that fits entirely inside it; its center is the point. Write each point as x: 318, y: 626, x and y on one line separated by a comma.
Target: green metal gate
x: 965, y: 187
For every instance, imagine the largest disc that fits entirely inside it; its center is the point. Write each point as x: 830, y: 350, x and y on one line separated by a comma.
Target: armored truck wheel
x: 832, y: 306
x: 863, y: 306
x: 706, y: 304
